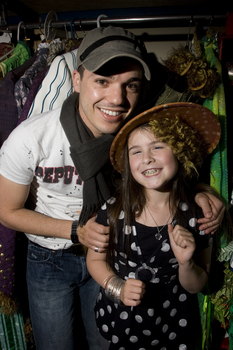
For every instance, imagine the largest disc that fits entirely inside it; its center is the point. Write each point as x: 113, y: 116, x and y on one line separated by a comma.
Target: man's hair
x: 81, y: 70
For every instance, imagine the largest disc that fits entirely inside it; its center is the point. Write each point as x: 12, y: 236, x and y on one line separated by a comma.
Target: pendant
x: 158, y: 236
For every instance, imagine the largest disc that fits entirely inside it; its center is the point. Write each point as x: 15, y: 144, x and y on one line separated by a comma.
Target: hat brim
x: 197, y: 116
x: 95, y: 61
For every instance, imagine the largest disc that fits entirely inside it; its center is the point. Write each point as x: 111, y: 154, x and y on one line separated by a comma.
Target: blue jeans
x: 58, y: 284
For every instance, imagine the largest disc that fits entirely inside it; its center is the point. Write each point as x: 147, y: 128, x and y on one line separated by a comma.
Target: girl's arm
x: 132, y: 290
x: 98, y: 267
x: 192, y: 277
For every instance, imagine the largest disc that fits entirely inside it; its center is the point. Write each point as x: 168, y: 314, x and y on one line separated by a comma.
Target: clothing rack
x: 131, y: 22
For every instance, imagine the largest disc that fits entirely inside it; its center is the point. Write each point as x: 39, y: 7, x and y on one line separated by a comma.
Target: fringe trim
x: 8, y: 306
x: 222, y: 299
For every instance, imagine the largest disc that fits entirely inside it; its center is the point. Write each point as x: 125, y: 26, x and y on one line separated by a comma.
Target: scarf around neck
x: 90, y: 156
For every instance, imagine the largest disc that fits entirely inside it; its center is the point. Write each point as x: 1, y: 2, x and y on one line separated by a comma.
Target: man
x: 58, y: 161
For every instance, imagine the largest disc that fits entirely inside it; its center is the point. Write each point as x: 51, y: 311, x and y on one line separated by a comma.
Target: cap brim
x: 96, y: 61
x: 197, y: 116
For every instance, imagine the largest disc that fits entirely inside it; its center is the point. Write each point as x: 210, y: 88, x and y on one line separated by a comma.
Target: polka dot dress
x: 168, y: 316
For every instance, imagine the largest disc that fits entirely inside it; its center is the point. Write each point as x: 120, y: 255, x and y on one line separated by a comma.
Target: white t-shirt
x: 37, y: 152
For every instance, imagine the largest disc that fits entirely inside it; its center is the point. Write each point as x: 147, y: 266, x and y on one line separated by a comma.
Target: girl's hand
x: 132, y: 292
x: 182, y: 243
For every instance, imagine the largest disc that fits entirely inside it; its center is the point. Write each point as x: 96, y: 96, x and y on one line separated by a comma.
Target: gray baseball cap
x: 101, y: 45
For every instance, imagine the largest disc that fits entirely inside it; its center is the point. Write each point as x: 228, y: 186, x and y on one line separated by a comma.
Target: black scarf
x: 90, y: 156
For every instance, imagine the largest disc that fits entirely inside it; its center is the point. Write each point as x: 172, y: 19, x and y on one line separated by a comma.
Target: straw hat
x: 197, y: 116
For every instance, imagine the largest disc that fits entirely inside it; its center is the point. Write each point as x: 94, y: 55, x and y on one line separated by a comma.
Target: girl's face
x: 152, y: 162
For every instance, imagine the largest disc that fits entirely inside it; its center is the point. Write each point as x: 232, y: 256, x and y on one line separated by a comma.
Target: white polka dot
x: 104, y: 206
x: 122, y: 263
x: 202, y: 233
x: 173, y: 278
x: 134, y: 231
x: 165, y: 246
x: 101, y: 311
x: 172, y: 336
x: 183, y: 347
x: 175, y: 289
x: 192, y: 222
x: 105, y: 328
x: 97, y: 314
x: 127, y: 230
x: 115, y: 339
x: 131, y: 275
x: 122, y: 215
x: 183, y: 206
x: 183, y: 322
x: 173, y: 312
x: 113, y: 324
x: 127, y: 331
x: 155, y: 342
x: 172, y: 261
x: 146, y: 332
x: 116, y: 266
x: 121, y: 348
x: 133, y: 246
x: 109, y: 309
x: 123, y: 255
x: 166, y: 304
x: 138, y: 318
x: 158, y: 320
x: 182, y: 297
x: 152, y: 259
x: 150, y: 312
x: 175, y: 266
x: 124, y: 315
x: 111, y: 200
x: 133, y: 339
x: 165, y: 328
x: 132, y: 264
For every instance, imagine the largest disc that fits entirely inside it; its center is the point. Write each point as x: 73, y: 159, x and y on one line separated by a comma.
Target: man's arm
x: 213, y: 211
x: 14, y: 215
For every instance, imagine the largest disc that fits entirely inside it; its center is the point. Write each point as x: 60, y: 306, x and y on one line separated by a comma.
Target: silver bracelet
x: 113, y: 289
x: 106, y: 280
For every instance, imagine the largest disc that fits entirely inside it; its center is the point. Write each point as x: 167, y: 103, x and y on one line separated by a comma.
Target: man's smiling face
x: 109, y: 95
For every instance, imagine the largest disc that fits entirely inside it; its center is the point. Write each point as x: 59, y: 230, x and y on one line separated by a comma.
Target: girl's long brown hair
x: 130, y: 195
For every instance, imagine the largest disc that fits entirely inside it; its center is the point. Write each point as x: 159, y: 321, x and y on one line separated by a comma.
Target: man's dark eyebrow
x: 129, y: 80
x: 135, y: 79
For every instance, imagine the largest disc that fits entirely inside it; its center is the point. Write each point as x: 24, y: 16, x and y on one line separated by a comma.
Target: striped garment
x: 12, y: 332
x: 57, y: 84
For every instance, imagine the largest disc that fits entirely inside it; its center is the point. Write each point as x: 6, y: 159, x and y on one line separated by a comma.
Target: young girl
x: 157, y: 259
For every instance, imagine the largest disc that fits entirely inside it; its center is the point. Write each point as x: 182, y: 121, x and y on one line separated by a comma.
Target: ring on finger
x: 96, y: 249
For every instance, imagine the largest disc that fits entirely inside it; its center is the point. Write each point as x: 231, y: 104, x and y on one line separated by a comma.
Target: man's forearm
x: 25, y: 220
